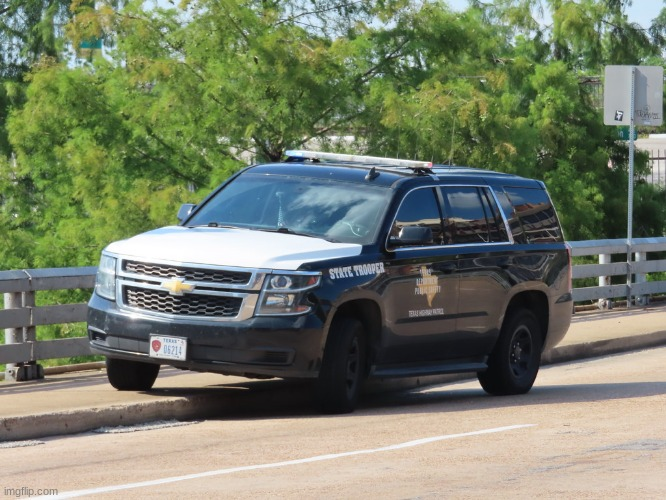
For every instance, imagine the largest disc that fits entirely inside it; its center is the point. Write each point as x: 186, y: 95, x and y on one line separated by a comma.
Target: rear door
x: 478, y: 232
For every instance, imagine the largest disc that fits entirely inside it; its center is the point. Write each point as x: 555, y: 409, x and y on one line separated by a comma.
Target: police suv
x: 336, y: 268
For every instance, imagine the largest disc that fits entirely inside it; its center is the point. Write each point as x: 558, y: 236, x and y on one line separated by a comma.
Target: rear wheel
x: 514, y: 363
x: 343, y: 367
x: 127, y: 375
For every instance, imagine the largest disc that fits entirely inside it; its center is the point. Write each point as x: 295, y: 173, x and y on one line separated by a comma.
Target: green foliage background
x: 97, y: 146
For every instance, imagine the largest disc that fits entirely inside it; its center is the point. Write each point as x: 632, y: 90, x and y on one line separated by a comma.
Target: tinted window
x: 536, y: 214
x: 496, y: 227
x: 419, y: 208
x: 334, y: 210
x: 511, y: 217
x: 471, y: 216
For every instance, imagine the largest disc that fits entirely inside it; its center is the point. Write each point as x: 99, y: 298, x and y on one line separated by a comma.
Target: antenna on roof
x: 372, y: 175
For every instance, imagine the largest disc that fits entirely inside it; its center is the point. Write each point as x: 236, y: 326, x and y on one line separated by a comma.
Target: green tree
x: 81, y: 178
x: 513, y: 96
x: 30, y: 29
x: 112, y: 148
x: 185, y: 96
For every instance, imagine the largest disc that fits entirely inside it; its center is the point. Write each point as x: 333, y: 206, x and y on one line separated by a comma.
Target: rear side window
x: 536, y: 214
x: 511, y: 217
x: 472, y: 216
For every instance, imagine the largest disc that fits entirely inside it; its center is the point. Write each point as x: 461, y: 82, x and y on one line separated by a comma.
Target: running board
x: 423, y: 370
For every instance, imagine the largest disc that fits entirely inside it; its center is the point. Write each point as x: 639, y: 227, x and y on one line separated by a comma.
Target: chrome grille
x: 222, y: 276
x: 187, y: 305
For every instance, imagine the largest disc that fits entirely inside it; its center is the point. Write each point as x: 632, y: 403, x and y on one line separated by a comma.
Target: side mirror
x: 412, y: 236
x: 185, y: 211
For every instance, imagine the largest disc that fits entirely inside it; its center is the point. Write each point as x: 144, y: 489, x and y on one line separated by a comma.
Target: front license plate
x: 168, y: 347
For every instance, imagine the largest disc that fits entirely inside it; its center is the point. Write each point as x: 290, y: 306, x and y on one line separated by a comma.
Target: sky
x: 644, y: 11
x: 641, y: 12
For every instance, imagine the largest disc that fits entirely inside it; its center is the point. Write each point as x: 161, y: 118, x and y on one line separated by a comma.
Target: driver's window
x: 419, y: 208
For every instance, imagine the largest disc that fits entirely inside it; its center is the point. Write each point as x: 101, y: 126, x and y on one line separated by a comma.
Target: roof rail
x: 372, y: 160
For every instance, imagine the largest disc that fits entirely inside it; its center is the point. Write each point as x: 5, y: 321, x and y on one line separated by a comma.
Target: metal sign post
x: 630, y: 186
x: 640, y: 91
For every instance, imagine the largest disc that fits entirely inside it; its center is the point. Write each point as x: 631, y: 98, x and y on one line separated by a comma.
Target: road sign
x: 633, y: 95
x: 623, y: 133
x: 647, y: 88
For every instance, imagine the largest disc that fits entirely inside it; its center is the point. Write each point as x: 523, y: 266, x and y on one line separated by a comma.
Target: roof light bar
x: 374, y: 160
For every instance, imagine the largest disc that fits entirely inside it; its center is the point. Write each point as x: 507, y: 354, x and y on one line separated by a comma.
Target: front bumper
x: 284, y: 347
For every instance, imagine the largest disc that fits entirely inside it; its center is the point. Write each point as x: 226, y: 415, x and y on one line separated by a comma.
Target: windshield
x: 334, y: 210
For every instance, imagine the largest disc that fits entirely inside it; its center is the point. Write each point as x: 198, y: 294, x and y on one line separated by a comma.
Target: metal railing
x: 21, y: 316
x: 636, y: 266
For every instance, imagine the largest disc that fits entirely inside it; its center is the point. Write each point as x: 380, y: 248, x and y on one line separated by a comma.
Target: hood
x: 231, y: 247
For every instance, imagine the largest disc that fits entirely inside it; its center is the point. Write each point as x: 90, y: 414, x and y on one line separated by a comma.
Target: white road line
x: 319, y: 458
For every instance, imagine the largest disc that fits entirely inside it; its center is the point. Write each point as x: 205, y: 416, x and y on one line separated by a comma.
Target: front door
x: 421, y: 291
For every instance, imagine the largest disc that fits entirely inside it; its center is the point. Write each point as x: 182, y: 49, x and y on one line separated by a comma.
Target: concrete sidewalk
x: 76, y: 402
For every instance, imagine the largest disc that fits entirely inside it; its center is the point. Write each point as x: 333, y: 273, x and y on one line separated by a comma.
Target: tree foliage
x: 28, y: 30
x: 109, y: 145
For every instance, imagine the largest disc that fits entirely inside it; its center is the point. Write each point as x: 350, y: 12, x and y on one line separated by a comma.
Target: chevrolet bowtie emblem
x: 177, y: 287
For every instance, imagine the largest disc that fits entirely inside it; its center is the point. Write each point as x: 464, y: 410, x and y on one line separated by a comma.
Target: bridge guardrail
x: 21, y: 316
x: 636, y: 267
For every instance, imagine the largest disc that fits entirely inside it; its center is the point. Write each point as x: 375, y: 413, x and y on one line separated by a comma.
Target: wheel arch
x: 535, y: 301
x: 368, y: 312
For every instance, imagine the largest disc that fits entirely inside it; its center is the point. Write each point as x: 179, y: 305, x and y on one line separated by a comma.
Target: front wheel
x: 343, y: 367
x: 514, y: 363
x: 127, y: 375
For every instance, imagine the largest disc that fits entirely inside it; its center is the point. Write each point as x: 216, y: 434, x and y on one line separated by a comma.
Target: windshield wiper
x: 282, y: 230
x: 217, y: 225
x: 285, y: 230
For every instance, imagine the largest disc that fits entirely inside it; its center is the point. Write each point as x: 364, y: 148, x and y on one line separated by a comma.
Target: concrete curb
x: 87, y: 419
x: 575, y: 352
x: 211, y: 404
x: 198, y: 406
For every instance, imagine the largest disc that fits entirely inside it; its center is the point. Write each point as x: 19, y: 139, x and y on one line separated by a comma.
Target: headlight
x: 284, y: 294
x: 105, y: 282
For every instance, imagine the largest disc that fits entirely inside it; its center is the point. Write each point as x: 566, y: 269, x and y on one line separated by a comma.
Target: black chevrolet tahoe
x: 336, y: 268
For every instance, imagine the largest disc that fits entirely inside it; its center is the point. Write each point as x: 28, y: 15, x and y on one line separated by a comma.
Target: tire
x: 127, y: 375
x: 514, y: 363
x: 343, y: 367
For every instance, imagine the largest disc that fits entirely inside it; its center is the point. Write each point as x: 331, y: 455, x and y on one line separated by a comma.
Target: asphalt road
x: 590, y: 429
